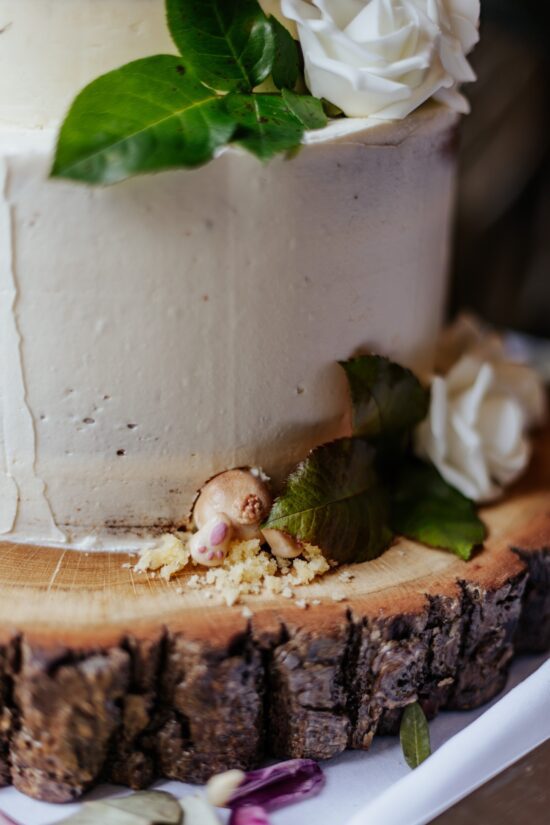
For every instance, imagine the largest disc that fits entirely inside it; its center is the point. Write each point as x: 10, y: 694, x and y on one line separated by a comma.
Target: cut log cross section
x: 107, y: 675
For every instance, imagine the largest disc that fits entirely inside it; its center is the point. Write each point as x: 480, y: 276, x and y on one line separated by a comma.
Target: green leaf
x: 286, y: 63
x: 333, y: 500
x: 146, y: 116
x: 414, y: 734
x: 331, y: 110
x: 309, y: 110
x: 227, y: 44
x: 426, y: 508
x: 265, y: 124
x: 142, y: 808
x: 386, y: 397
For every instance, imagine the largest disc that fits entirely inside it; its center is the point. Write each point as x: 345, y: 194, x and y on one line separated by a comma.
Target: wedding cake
x: 160, y: 331
x: 224, y: 245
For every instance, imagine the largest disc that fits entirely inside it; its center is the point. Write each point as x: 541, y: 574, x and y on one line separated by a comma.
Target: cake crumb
x: 248, y: 569
x: 346, y: 576
x: 169, y: 555
x: 302, y: 604
x: 337, y: 597
x: 316, y: 602
x: 246, y: 612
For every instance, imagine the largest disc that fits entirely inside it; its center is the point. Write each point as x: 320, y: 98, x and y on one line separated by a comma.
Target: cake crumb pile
x: 248, y: 569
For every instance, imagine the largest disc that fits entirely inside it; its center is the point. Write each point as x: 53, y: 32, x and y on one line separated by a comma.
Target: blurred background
x: 502, y: 259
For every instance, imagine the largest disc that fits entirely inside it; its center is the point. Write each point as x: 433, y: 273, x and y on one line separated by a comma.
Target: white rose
x: 384, y: 58
x: 480, y: 411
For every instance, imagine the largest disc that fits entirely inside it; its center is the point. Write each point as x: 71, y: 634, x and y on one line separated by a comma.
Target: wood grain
x: 110, y: 675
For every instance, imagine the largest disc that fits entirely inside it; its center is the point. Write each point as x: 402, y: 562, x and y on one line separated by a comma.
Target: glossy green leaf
x: 227, y: 44
x: 427, y: 509
x: 414, y: 734
x: 147, y: 116
x: 265, y: 125
x: 308, y: 110
x: 286, y: 62
x: 387, y: 398
x: 142, y: 808
x: 333, y: 500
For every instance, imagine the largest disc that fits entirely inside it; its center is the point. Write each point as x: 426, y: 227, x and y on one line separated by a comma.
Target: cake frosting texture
x: 49, y: 49
x: 163, y: 330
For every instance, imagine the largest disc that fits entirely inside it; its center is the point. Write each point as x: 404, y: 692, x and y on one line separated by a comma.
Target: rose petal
x: 249, y: 815
x: 277, y: 785
x: 522, y: 382
x: 501, y: 425
x: 466, y: 335
x: 383, y: 58
x: 480, y: 411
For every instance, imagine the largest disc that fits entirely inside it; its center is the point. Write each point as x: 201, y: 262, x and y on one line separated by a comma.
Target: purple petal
x: 279, y: 785
x: 249, y: 815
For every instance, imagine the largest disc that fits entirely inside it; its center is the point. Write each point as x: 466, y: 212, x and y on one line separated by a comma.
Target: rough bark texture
x: 533, y: 632
x: 175, y: 708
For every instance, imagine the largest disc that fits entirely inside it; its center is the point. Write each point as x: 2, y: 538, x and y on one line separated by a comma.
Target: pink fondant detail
x: 210, y: 556
x: 203, y: 549
x: 218, y: 534
x: 219, y: 554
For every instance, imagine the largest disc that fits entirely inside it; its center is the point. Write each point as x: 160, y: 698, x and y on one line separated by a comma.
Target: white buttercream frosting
x: 158, y: 332
x: 50, y: 49
x: 177, y: 325
x: 384, y: 58
x: 23, y: 498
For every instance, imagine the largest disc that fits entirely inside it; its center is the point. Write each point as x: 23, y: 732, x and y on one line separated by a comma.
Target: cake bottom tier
x: 110, y: 676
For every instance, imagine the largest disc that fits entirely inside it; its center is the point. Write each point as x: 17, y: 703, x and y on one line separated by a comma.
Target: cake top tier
x: 50, y: 49
x: 369, y: 58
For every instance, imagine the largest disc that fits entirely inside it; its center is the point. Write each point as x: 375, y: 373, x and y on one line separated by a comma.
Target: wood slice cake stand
x: 107, y: 675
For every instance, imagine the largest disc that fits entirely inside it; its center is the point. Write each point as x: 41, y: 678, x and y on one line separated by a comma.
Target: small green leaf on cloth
x: 414, y: 734
x: 334, y: 501
x: 265, y: 125
x: 309, y: 110
x: 227, y: 44
x: 286, y: 63
x: 142, y: 808
x: 387, y: 398
x: 425, y: 508
x: 149, y: 115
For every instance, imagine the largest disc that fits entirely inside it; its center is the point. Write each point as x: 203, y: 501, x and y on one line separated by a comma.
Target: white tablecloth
x: 377, y: 788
